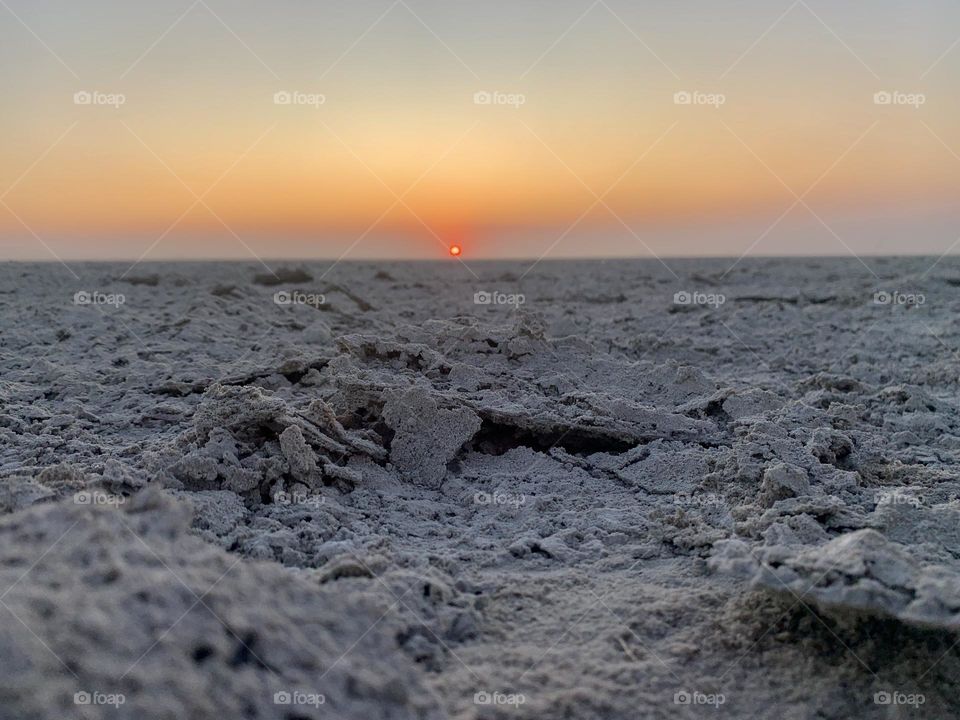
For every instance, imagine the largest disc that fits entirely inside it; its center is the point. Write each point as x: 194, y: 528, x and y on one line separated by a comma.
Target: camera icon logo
x: 81, y: 698
x: 482, y: 98
x: 482, y: 698
x: 882, y: 698
x: 682, y: 298
x: 81, y: 297
x: 883, y: 98
x: 882, y: 298
x: 282, y: 697
x: 682, y: 698
x: 282, y: 98
x: 83, y: 498
x: 682, y: 97
x: 482, y: 298
x: 282, y: 297
x: 82, y: 98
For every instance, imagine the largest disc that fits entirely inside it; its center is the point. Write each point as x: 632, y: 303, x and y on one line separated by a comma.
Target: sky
x: 529, y: 128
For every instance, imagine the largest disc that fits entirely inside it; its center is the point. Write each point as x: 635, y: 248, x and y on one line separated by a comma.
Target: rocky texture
x: 859, y: 570
x: 426, y: 437
x: 248, y: 441
x: 599, y: 501
x: 126, y: 604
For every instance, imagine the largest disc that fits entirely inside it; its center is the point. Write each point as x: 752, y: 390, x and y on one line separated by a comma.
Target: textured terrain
x: 360, y: 487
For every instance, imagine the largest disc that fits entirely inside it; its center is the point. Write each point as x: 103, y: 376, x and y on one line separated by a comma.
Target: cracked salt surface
x: 598, y: 504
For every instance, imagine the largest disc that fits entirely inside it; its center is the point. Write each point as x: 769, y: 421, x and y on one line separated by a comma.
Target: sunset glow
x: 628, y: 131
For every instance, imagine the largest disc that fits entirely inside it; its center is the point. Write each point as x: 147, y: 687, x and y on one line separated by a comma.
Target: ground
x: 608, y: 490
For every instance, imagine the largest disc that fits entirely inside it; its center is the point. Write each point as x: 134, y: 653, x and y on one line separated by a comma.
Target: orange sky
x: 400, y: 154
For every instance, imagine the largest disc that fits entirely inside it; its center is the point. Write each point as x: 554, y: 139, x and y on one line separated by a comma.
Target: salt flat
x: 611, y: 489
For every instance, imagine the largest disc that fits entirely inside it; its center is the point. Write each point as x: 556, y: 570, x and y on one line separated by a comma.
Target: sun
x: 455, y: 250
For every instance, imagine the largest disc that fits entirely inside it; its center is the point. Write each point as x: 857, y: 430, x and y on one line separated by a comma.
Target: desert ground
x: 608, y: 489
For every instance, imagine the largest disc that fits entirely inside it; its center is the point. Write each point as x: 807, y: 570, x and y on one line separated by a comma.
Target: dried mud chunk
x: 832, y: 448
x: 322, y: 415
x: 239, y: 479
x: 239, y: 409
x: 196, y: 470
x: 427, y: 436
x: 338, y: 472
x: 783, y: 481
x: 120, y: 477
x: 63, y: 478
x: 244, y: 439
x: 302, y: 459
x: 860, y: 571
x: 529, y: 334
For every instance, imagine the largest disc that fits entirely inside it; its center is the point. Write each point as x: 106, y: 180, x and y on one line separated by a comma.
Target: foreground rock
x: 125, y: 607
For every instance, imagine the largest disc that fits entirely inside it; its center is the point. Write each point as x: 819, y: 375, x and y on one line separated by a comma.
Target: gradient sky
x: 400, y: 161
